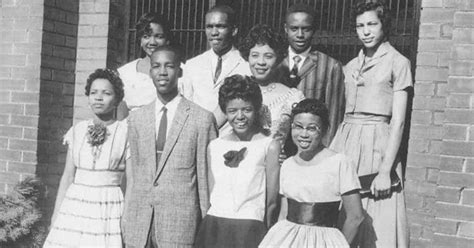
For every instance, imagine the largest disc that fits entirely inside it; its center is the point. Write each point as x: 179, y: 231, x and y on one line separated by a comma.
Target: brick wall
x: 58, y: 63
x: 440, y: 168
x: 20, y: 55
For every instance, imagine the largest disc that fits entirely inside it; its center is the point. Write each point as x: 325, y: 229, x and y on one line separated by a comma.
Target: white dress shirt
x: 171, y: 112
x: 292, y: 54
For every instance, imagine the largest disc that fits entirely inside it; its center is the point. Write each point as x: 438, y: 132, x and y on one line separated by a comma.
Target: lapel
x: 182, y: 113
x: 232, y: 61
x: 381, y: 52
x: 309, y: 64
x: 146, y: 133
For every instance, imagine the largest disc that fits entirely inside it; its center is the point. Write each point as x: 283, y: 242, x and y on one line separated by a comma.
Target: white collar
x: 292, y: 54
x: 171, y: 106
x: 225, y: 55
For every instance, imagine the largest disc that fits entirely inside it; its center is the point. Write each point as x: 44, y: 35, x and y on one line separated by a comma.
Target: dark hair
x: 228, y: 11
x: 383, y: 13
x: 301, y: 8
x: 264, y: 35
x: 179, y: 56
x: 240, y: 87
x: 143, y: 25
x: 315, y: 107
x: 112, y: 76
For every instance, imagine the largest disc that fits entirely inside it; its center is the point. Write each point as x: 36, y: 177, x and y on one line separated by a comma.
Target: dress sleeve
x: 69, y: 137
x: 348, y: 179
x: 401, y: 76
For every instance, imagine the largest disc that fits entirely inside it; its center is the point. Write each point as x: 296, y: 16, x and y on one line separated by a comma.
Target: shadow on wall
x: 57, y: 77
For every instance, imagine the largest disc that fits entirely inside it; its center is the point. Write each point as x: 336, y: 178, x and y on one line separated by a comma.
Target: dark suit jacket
x: 320, y: 77
x: 176, y: 192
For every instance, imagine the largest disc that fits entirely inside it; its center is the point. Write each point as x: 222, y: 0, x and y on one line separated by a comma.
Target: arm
x: 66, y: 179
x: 210, y: 177
x: 354, y: 215
x: 381, y: 184
x: 336, y: 102
x: 272, y: 173
x: 209, y: 133
x: 283, y: 208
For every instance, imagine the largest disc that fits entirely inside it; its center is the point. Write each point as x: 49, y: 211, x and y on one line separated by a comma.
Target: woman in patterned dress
x: 377, y: 83
x: 89, y: 203
x: 313, y: 183
x: 264, y: 49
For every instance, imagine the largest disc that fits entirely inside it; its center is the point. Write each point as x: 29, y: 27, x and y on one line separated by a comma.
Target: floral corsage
x: 233, y: 158
x: 96, y: 134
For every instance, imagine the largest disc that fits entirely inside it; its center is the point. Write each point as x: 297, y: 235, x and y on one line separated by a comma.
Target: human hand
x: 380, y: 187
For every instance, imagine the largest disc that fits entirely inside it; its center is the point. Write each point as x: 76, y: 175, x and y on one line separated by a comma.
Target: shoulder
x: 324, y: 57
x: 197, y: 60
x: 139, y: 112
x: 128, y: 67
x: 197, y: 111
x: 397, y: 58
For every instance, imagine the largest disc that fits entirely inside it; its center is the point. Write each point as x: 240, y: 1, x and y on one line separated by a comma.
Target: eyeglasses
x: 312, y: 129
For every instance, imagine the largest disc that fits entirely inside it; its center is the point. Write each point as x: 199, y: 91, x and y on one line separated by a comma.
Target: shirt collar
x: 303, y: 55
x: 225, y: 55
x: 171, y: 106
x: 381, y: 51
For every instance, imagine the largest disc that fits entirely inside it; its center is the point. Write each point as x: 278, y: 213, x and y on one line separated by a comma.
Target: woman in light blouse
x: 376, y: 101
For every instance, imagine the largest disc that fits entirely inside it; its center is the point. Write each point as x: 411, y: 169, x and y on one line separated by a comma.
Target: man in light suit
x: 205, y: 73
x: 316, y: 74
x: 168, y: 194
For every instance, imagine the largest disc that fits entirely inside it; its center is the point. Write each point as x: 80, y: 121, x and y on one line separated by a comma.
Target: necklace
x: 267, y: 89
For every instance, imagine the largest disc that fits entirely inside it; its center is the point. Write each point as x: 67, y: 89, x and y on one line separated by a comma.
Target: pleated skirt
x: 217, y: 232
x: 88, y: 217
x: 363, y: 139
x: 286, y: 234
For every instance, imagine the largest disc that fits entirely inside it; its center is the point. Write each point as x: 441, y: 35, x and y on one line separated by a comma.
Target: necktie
x: 218, y: 69
x: 294, y: 70
x: 161, y: 140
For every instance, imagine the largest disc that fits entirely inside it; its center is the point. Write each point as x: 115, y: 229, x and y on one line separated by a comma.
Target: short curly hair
x: 143, y: 24
x: 263, y: 35
x: 383, y: 13
x: 240, y: 87
x: 113, y: 78
x: 315, y: 107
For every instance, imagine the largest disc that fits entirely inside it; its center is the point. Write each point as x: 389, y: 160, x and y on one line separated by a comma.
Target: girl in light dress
x: 89, y: 203
x: 377, y: 82
x: 153, y: 31
x: 314, y: 182
x: 244, y: 172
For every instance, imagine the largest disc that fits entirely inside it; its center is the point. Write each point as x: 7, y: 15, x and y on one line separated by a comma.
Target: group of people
x: 261, y: 143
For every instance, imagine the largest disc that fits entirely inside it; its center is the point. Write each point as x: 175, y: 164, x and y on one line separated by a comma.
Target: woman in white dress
x: 314, y: 182
x: 89, y: 203
x: 152, y: 31
x: 264, y: 49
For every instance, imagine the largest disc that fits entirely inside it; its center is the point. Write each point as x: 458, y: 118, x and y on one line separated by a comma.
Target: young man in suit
x: 205, y: 73
x: 316, y: 74
x: 168, y: 194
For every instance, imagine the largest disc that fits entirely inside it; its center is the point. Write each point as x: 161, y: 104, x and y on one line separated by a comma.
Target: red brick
x: 12, y: 132
x: 24, y: 121
x: 10, y: 155
x: 438, y: 118
x: 52, y: 62
x: 466, y: 229
x: 445, y: 226
x: 432, y: 175
x: 460, y: 85
x: 463, y: 52
x: 453, y: 164
x: 442, y: 89
x: 431, y: 73
x: 11, y: 84
x: 54, y: 39
x: 454, y: 211
x: 23, y: 145
x: 435, y: 146
x: 64, y: 52
x: 421, y: 117
x: 62, y: 76
x: 442, y: 241
x: 25, y: 97
x: 435, y: 15
x: 468, y: 197
x: 456, y: 148
x: 94, y: 19
x: 459, y: 116
x: 459, y: 101
x: 32, y: 109
x: 448, y: 194
x: 420, y: 243
x: 423, y: 160
x: 413, y: 200
x: 463, y: 36
x: 10, y: 178
x: 456, y: 179
x: 3, y: 143
x: 419, y: 145
x: 463, y: 19
x: 415, y: 173
x: 419, y: 217
x: 470, y: 165
x: 455, y: 132
x: 447, y: 30
x: 432, y: 3
x: 3, y: 166
x: 11, y: 108
x: 4, y: 119
x: 65, y: 29
x: 426, y: 131
x: 21, y: 167
x: 30, y: 133
x: 29, y: 157
x: 424, y: 89
x: 416, y: 231
x: 429, y: 103
x: 434, y: 45
x: 94, y: 42
x: 429, y: 30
